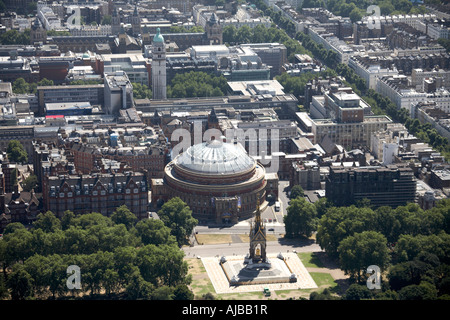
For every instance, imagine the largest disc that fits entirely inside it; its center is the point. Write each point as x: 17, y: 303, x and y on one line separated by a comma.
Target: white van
x: 277, y: 206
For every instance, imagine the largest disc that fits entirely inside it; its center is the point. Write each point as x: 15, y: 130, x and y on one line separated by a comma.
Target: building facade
x: 393, y: 185
x: 101, y: 193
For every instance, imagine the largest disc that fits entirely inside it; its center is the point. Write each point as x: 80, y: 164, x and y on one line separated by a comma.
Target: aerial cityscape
x: 225, y: 150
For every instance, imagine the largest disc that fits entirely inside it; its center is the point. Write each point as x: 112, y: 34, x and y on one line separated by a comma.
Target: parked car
x: 277, y: 206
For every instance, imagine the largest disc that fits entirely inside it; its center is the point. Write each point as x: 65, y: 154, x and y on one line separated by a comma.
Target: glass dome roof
x: 215, y: 157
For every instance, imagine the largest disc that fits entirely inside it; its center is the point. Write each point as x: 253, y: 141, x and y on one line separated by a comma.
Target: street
x: 274, y: 225
x: 242, y: 248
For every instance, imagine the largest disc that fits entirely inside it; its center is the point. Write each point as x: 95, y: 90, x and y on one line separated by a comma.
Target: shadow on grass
x: 295, y: 242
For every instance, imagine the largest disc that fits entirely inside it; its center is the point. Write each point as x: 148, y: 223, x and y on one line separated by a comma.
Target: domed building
x: 217, y: 180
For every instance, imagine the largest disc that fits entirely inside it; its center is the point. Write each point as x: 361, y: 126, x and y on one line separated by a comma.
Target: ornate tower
x: 37, y: 33
x: 214, y: 30
x: 136, y: 22
x: 258, y: 240
x: 115, y: 22
x: 159, y: 83
x: 146, y: 39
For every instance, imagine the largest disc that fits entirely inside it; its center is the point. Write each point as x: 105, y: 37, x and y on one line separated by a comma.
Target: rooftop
x: 215, y: 157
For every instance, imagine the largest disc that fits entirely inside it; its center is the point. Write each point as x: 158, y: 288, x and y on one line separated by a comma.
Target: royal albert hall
x: 217, y: 180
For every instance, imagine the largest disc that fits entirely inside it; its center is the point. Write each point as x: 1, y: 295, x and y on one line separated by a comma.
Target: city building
x: 94, y: 94
x: 100, y: 192
x: 392, y: 185
x: 118, y: 92
x: 15, y: 67
x: 217, y: 180
x: 369, y: 68
x: 136, y: 67
x: 305, y: 174
x: 271, y: 54
x: 348, y: 134
x: 398, y: 90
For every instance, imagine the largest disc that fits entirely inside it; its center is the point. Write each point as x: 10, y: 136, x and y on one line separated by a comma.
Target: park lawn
x: 310, y: 260
x: 201, y: 284
x: 323, y: 280
x: 213, y: 238
x: 269, y: 237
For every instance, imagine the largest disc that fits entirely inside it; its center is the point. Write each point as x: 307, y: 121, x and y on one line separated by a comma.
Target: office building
x: 392, y: 185
x: 118, y: 92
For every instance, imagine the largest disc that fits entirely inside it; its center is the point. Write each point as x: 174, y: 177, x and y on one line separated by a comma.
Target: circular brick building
x: 217, y: 180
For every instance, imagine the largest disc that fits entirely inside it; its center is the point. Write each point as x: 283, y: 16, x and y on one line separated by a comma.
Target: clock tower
x: 159, y: 82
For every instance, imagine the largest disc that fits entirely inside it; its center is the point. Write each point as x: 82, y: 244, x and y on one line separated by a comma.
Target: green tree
x: 153, y: 231
x: 163, y: 293
x: 66, y: 219
x: 301, y: 218
x: 296, y: 191
x: 16, y: 152
x: 229, y: 34
x: 122, y: 215
x: 141, y: 91
x: 17, y: 246
x: 357, y: 292
x: 243, y: 34
x: 182, y: 292
x: 47, y: 221
x: 355, y: 15
x: 423, y: 291
x: 106, y: 20
x: 30, y: 183
x: 12, y: 227
x: 15, y: 37
x: 324, y: 295
x: 20, y: 284
x: 162, y: 265
x: 408, y: 272
x: 86, y: 221
x: 20, y: 86
x: 178, y: 217
x: 125, y: 263
x: 138, y: 288
x: 361, y: 250
x: 340, y: 222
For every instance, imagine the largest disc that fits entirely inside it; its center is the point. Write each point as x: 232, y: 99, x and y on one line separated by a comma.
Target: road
x: 212, y: 250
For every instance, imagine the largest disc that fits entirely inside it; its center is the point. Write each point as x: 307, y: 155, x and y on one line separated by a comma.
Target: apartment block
x: 101, y: 193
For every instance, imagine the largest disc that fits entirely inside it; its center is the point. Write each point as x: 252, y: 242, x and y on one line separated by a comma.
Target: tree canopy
x: 16, y: 152
x: 301, y: 218
x: 117, y: 256
x: 197, y: 84
x: 178, y: 217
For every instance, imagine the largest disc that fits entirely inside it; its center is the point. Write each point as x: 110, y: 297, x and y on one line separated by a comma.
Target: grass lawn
x: 220, y: 238
x: 323, y: 280
x: 200, y: 281
x: 213, y: 238
x: 310, y: 260
x: 269, y: 237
